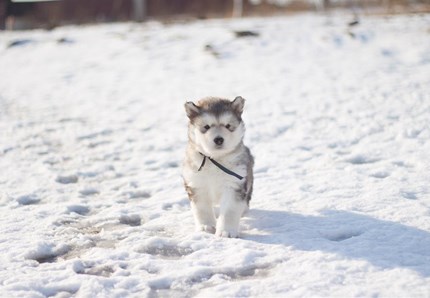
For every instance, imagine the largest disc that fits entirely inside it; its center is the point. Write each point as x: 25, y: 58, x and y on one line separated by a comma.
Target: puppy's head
x: 216, y: 125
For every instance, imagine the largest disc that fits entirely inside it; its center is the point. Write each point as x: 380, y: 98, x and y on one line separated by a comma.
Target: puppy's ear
x: 238, y: 103
x: 191, y: 109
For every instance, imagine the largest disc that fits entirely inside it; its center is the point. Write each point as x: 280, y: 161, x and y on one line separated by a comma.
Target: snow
x: 93, y: 130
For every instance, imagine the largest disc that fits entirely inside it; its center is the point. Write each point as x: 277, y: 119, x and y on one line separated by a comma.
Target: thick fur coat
x: 216, y: 130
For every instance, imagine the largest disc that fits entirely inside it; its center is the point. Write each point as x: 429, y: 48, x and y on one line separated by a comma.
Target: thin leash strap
x: 220, y: 166
x: 203, y: 162
x: 225, y: 169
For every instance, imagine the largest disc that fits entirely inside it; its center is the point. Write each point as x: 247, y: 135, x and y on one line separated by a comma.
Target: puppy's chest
x: 209, y: 174
x: 214, y: 181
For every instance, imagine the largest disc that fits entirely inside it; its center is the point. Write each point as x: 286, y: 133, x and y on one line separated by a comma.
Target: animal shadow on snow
x: 384, y: 244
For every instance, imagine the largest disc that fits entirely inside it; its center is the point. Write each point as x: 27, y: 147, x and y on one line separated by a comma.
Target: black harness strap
x: 220, y: 166
x: 203, y: 162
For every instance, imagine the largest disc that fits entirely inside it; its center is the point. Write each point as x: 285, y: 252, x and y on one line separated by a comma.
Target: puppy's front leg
x: 231, y: 209
x: 204, y: 216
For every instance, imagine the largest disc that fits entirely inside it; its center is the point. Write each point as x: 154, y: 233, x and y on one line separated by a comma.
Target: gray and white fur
x: 216, y: 130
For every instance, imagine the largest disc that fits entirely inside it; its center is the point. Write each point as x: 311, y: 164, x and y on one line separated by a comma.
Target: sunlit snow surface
x: 93, y: 130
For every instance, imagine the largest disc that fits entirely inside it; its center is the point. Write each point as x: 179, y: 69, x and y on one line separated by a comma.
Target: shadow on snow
x: 384, y: 244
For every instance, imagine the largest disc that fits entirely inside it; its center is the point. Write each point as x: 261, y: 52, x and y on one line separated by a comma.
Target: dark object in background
x: 246, y: 33
x: 19, y: 42
x: 211, y: 50
x: 26, y: 14
x: 3, y: 14
x: 29, y: 14
x: 353, y: 23
x: 49, y: 14
x: 65, y: 40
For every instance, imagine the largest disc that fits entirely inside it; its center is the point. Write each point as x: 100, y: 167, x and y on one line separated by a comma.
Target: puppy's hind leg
x: 231, y: 209
x: 245, y: 210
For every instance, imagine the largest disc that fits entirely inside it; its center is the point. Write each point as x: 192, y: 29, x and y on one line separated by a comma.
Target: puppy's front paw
x: 227, y: 233
x: 206, y: 228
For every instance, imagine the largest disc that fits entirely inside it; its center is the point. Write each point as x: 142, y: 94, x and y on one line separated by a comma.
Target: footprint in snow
x: 138, y: 194
x: 67, y: 179
x: 105, y: 271
x: 361, y: 159
x: 380, y: 174
x: 208, y: 278
x: 179, y: 206
x: 90, y: 230
x: 94, y: 135
x: 164, y: 248
x: 92, y: 241
x: 28, y: 200
x: 89, y: 191
x: 79, y: 209
x: 167, y: 251
x: 338, y: 236
x: 248, y: 272
x: 98, y: 144
x: 132, y: 220
x: 409, y: 195
x: 171, y: 164
x: 46, y: 252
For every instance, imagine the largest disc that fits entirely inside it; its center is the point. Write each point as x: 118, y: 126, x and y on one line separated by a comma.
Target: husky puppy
x: 218, y: 166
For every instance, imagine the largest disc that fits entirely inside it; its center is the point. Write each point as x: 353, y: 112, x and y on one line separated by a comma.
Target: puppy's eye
x: 227, y: 126
x: 207, y: 127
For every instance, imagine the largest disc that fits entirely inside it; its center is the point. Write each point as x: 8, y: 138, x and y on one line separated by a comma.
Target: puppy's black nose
x: 219, y: 140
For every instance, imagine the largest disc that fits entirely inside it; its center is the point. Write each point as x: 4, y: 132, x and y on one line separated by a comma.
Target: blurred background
x: 27, y: 14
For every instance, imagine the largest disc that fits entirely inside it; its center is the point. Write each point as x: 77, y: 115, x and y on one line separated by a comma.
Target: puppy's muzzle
x: 219, y: 141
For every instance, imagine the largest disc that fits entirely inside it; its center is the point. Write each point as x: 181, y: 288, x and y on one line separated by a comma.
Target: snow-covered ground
x: 93, y: 130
